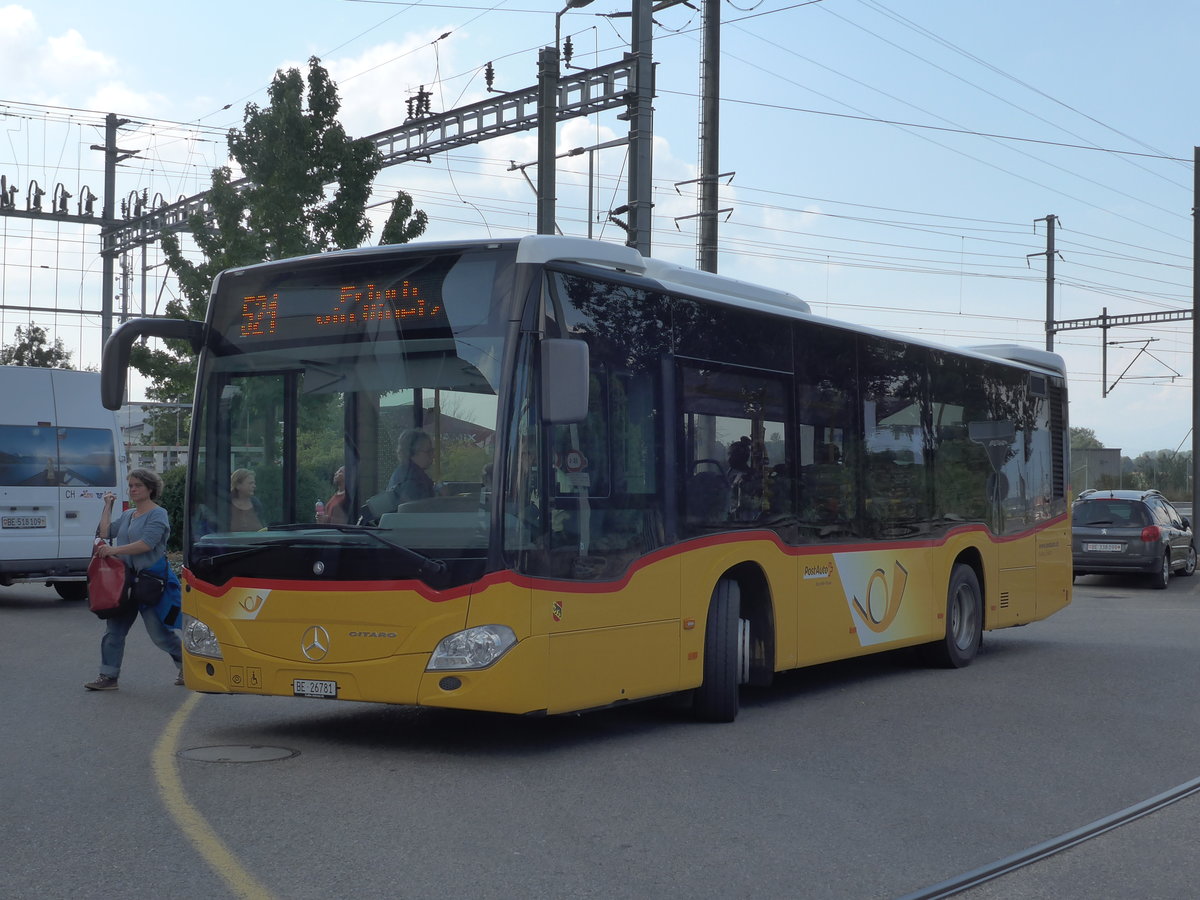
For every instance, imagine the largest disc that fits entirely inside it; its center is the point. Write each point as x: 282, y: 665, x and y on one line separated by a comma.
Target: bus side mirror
x: 565, y: 381
x: 114, y: 365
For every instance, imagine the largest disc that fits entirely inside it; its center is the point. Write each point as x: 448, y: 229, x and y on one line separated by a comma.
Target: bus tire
x: 716, y: 700
x: 964, y: 621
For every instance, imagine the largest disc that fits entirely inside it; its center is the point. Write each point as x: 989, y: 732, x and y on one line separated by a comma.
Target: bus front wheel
x: 964, y: 621
x: 716, y: 700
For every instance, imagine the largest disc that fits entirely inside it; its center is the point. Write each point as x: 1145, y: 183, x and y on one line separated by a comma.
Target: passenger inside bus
x: 335, y: 508
x: 245, y: 510
x: 745, y: 483
x: 410, y: 480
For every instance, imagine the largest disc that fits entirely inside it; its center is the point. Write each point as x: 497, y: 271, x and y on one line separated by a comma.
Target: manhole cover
x: 237, y: 754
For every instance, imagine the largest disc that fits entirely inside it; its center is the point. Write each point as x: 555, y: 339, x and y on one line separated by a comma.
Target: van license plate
x: 23, y: 522
x: 303, y: 687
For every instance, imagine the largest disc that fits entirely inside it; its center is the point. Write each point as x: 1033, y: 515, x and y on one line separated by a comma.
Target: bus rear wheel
x: 725, y: 655
x: 964, y: 621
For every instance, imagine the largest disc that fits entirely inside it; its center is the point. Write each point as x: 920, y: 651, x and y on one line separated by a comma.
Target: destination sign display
x: 338, y: 309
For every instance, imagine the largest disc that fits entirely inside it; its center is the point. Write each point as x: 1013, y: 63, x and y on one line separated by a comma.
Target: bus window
x: 827, y: 429
x: 735, y: 448
x: 604, y: 492
x: 894, y: 410
x: 606, y: 496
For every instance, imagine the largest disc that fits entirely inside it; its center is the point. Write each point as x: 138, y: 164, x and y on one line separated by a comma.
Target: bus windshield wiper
x: 222, y: 558
x: 230, y: 556
x: 427, y: 566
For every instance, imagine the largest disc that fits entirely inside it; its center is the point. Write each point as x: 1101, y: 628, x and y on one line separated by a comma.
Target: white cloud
x: 18, y: 49
x: 68, y: 58
x: 56, y: 69
x: 116, y: 95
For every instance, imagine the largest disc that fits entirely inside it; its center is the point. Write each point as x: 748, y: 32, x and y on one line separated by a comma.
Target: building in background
x: 1099, y: 467
x: 137, y: 432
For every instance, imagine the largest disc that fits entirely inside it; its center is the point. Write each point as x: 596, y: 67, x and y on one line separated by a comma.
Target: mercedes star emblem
x: 315, y: 643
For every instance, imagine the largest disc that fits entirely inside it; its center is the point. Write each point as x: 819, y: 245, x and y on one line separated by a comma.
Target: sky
x: 893, y: 163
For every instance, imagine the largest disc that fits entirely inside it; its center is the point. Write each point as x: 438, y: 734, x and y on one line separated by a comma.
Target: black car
x: 1130, y: 531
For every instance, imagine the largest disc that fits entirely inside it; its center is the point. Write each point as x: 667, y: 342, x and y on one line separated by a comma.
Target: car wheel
x: 71, y: 590
x: 1160, y: 578
x: 1189, y: 564
x: 964, y: 622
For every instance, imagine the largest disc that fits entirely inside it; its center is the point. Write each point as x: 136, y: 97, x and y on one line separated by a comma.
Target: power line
x: 909, y: 23
x: 926, y: 127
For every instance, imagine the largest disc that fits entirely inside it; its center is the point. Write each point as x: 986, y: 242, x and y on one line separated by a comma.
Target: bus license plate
x: 23, y: 522
x: 303, y: 687
x: 1103, y: 548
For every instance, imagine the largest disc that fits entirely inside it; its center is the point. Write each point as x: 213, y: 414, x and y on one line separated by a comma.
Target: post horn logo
x: 251, y: 603
x: 315, y: 643
x: 881, y: 609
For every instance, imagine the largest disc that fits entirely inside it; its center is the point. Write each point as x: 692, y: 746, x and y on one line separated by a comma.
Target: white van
x: 60, y: 451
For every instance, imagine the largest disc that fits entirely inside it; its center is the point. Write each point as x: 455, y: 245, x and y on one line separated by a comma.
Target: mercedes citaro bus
x: 644, y: 480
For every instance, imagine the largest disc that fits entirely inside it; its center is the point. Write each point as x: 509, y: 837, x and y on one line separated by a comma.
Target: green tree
x: 403, y: 224
x: 169, y: 427
x: 172, y: 501
x: 1085, y: 439
x: 307, y: 187
x: 1163, y: 470
x: 32, y: 347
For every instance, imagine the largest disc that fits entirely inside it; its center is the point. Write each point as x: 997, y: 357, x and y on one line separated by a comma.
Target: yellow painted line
x: 193, y: 825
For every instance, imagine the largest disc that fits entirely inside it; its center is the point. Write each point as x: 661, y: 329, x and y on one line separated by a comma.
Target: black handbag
x: 147, y: 588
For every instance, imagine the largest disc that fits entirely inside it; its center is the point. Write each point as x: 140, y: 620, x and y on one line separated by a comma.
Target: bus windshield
x: 350, y: 408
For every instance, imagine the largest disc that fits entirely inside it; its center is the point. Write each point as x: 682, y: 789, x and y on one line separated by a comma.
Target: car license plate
x: 23, y: 522
x: 1102, y: 548
x: 304, y: 687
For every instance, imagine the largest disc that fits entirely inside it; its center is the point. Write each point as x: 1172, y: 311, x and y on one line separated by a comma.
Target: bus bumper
x: 516, y: 683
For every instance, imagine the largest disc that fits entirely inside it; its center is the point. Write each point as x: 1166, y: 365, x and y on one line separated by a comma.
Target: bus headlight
x: 475, y: 648
x: 199, y: 640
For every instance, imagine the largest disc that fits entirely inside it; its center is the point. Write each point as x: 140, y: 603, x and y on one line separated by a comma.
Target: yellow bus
x: 554, y: 475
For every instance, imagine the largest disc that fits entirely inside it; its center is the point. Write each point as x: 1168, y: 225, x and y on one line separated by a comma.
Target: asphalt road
x: 868, y: 779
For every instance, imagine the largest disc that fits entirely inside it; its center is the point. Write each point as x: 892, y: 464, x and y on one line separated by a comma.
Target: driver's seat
x: 707, y: 498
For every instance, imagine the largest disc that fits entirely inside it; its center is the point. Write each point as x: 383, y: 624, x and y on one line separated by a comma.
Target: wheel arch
x: 757, y: 606
x: 970, y: 556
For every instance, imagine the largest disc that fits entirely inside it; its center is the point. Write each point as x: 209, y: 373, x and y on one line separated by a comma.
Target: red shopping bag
x: 108, y: 588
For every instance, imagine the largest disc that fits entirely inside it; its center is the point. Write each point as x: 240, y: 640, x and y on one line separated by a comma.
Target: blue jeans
x: 112, y: 645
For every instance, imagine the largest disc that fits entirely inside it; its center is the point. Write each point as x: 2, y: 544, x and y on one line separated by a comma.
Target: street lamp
x: 571, y: 4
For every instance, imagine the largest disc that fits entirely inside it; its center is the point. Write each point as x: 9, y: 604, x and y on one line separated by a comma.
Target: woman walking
x: 140, y: 535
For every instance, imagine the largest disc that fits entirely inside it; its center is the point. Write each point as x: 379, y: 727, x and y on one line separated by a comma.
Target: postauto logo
x: 874, y: 586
